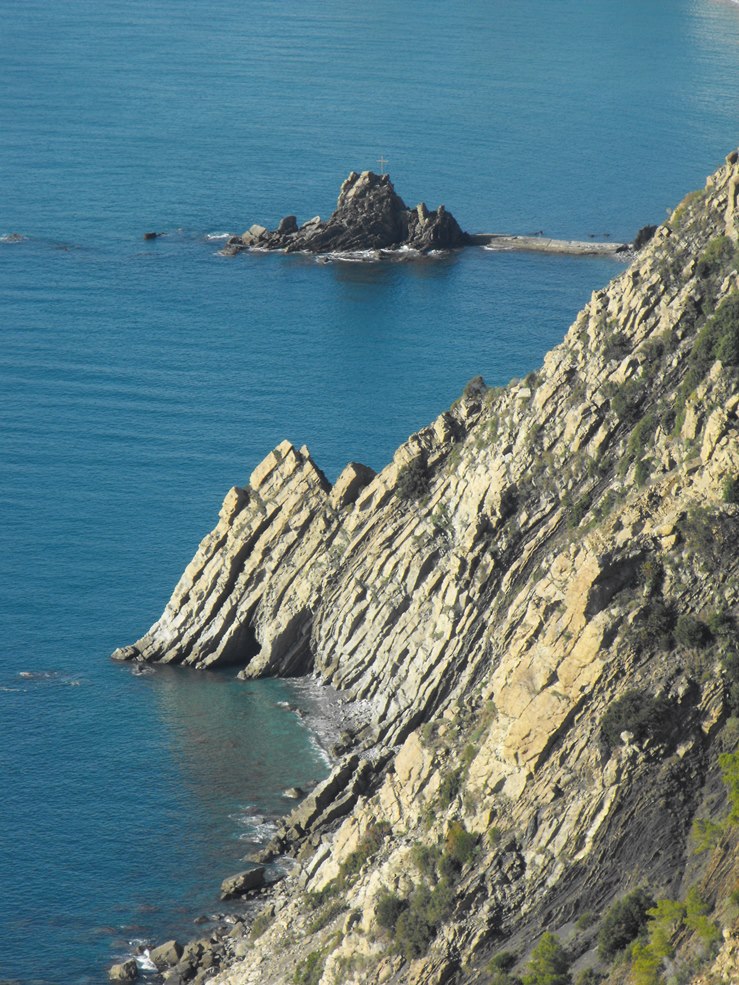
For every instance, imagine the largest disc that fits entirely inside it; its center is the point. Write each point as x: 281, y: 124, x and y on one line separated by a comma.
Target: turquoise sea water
x: 141, y: 380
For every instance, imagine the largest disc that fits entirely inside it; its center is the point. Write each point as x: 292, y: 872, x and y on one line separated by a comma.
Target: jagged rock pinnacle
x: 369, y: 215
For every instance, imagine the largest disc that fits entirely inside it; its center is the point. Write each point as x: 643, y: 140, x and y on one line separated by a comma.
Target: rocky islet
x: 369, y: 215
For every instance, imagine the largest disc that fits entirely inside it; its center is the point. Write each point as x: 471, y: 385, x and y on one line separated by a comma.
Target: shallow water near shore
x: 142, y: 379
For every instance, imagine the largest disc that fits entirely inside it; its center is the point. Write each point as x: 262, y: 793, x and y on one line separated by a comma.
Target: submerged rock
x: 369, y: 216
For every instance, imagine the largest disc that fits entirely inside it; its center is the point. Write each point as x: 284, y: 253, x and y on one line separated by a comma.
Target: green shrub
x: 719, y: 337
x: 370, y: 844
x: 665, y: 919
x: 315, y: 900
x: 639, y: 713
x: 616, y: 346
x: 667, y: 419
x: 655, y: 625
x: 549, y: 964
x: 449, y: 868
x: 642, y: 471
x: 653, y: 575
x: 426, y: 859
x: 641, y: 435
x: 652, y: 351
x: 449, y: 788
x: 696, y: 917
x: 730, y: 489
x: 413, y: 932
x: 705, y: 834
x: 697, y: 530
x: 623, y: 923
x: 388, y: 909
x: 722, y: 624
x: 715, y: 258
x: 586, y: 919
x: 310, y: 969
x: 729, y: 763
x: 440, y: 902
x: 459, y: 843
x: 589, y: 976
x: 328, y: 913
x: 577, y: 512
x: 691, y: 632
x: 502, y: 961
x: 730, y: 662
x: 627, y: 400
x: 645, y: 965
x: 413, y: 480
x: 497, y: 977
x: 500, y: 969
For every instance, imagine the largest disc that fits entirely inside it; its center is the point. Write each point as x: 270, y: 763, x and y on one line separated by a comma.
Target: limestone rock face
x: 518, y: 569
x: 369, y: 216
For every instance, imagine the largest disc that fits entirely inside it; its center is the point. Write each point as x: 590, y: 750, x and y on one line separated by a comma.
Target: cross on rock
x: 382, y: 162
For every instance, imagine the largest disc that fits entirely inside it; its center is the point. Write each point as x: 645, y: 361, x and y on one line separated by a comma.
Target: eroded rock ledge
x: 369, y: 216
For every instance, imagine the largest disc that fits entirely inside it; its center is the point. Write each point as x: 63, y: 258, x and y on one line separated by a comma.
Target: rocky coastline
x: 539, y: 596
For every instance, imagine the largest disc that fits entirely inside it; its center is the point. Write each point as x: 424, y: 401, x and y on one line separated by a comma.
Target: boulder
x: 126, y: 971
x: 293, y: 793
x: 243, y: 882
x: 166, y: 955
x: 288, y: 225
x: 350, y: 483
x: 253, y: 234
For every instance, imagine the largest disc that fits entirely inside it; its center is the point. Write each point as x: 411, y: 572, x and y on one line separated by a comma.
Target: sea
x: 140, y: 380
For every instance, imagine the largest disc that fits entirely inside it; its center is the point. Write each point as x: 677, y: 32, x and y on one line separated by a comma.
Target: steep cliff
x: 539, y: 597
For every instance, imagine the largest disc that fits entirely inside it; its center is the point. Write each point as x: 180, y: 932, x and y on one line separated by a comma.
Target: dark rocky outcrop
x: 369, y: 215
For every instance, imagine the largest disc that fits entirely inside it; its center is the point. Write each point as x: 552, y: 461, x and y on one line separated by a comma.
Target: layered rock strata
x: 526, y: 564
x: 369, y: 215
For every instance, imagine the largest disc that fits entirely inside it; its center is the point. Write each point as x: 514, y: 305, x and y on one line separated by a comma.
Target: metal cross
x: 382, y: 162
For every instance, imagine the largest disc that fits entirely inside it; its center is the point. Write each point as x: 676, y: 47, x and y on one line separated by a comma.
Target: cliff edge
x: 539, y: 595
